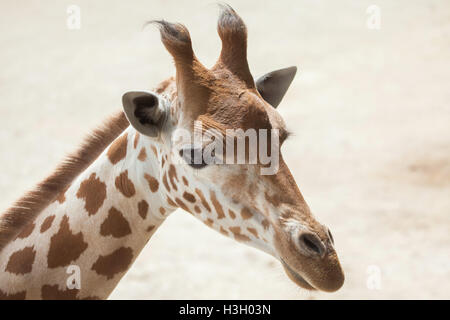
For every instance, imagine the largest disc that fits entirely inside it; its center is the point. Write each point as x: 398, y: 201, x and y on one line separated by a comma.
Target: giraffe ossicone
x: 100, y: 207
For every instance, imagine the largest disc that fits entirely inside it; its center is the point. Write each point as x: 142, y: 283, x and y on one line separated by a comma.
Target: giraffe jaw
x: 295, y: 277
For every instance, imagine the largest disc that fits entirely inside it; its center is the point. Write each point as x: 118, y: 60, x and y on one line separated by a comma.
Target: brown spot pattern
x: 125, y: 185
x: 118, y: 150
x: 115, y: 225
x: 143, y: 209
x: 265, y: 224
x: 116, y: 262
x: 13, y: 296
x: 62, y: 195
x: 274, y: 200
x: 253, y: 231
x: 21, y: 261
x: 154, y: 151
x: 203, y: 199
x: 152, y: 182
x: 246, y: 213
x: 209, y: 222
x: 223, y: 231
x: 186, y: 183
x: 189, y: 196
x: 47, y: 223
x: 49, y: 292
x: 142, y: 154
x: 237, y: 234
x: 65, y: 246
x: 136, y: 139
x: 171, y: 202
x: 217, y: 206
x: 166, y: 184
x: 150, y: 228
x: 162, y: 210
x: 197, y: 209
x: 232, y: 214
x: 28, y: 207
x: 181, y: 204
x: 173, y: 176
x: 26, y: 231
x: 93, y: 191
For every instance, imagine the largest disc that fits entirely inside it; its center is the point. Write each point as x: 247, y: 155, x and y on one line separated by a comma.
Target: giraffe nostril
x: 312, y: 243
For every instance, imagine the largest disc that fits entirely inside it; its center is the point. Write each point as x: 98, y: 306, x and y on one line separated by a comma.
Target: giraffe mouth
x: 295, y: 277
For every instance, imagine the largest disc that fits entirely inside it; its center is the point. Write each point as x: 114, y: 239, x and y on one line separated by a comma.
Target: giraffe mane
x: 27, y: 208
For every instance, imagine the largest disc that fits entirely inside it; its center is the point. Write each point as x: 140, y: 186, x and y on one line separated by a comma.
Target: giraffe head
x: 248, y: 198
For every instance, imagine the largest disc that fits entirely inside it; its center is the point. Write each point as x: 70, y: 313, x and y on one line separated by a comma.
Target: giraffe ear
x: 273, y: 85
x: 144, y: 111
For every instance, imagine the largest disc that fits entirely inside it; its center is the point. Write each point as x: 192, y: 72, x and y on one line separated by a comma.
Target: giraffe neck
x: 83, y: 243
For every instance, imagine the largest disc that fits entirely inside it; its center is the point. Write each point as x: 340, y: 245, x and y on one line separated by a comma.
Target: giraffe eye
x: 193, y: 157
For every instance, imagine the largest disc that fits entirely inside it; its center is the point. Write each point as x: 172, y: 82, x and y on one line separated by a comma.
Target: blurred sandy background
x: 369, y: 109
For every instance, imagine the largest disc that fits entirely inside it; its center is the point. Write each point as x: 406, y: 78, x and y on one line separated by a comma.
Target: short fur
x: 24, y: 211
x: 176, y: 39
x: 233, y: 33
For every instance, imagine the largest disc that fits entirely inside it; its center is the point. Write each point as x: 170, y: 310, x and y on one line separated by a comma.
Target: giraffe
x: 102, y: 205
